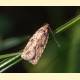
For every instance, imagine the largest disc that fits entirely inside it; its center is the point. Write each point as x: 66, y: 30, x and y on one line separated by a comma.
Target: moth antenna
x: 53, y: 34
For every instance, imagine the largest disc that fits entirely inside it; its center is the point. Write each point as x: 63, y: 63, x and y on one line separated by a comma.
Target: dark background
x: 21, y: 21
x: 24, y: 20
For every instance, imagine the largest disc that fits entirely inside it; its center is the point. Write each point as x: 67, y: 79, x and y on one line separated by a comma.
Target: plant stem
x: 9, y: 61
x: 8, y: 66
x: 8, y: 55
x: 67, y: 25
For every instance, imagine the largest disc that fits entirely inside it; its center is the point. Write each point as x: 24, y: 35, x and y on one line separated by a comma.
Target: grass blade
x: 8, y: 55
x: 9, y: 61
x: 8, y: 66
x: 67, y: 25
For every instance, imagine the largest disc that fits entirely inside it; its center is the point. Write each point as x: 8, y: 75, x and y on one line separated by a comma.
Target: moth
x: 36, y: 45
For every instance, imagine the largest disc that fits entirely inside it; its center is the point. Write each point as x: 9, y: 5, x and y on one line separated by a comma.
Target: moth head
x: 45, y: 28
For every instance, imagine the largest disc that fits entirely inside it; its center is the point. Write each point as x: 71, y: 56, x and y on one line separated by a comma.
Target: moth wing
x: 29, y: 51
x: 36, y: 45
x: 39, y: 49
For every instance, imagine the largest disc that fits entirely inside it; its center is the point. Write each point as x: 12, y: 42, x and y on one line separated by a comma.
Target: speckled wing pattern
x: 36, y: 45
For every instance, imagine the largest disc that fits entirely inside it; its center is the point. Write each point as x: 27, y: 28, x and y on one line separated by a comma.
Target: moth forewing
x: 36, y: 45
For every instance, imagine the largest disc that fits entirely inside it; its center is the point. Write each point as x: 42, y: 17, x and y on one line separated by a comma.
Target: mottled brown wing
x: 39, y: 48
x: 36, y: 45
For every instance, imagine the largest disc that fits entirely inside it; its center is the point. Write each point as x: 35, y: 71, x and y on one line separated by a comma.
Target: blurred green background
x: 17, y: 24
